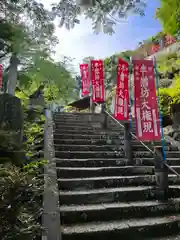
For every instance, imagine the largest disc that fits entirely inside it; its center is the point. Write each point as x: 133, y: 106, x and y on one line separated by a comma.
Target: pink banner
x: 84, y: 69
x: 146, y: 107
x: 169, y: 40
x: 155, y: 48
x: 97, y: 75
x: 121, y: 110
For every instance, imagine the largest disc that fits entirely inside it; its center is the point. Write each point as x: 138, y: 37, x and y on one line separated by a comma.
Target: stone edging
x: 51, y: 215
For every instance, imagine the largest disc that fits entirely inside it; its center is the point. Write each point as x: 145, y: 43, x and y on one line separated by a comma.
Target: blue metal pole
x: 160, y: 114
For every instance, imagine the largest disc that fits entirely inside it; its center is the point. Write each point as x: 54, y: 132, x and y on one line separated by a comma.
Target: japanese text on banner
x: 146, y: 107
x: 97, y: 75
x: 122, y: 92
x: 84, y: 69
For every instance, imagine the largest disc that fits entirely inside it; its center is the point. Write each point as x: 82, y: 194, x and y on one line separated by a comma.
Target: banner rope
x: 150, y: 150
x: 160, y: 114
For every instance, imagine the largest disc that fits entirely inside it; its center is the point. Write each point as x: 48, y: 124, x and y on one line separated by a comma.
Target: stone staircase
x: 101, y: 195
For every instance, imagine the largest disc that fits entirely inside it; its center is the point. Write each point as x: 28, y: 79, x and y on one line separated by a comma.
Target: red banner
x: 97, y: 75
x: 155, y: 48
x: 84, y: 69
x: 121, y: 110
x: 146, y: 107
x: 1, y: 75
x: 169, y: 40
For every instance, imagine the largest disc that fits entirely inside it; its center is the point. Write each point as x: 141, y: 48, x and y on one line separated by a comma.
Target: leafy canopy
x: 169, y: 16
x: 103, y: 14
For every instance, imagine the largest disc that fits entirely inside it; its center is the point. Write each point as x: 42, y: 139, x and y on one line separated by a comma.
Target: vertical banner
x: 169, y: 40
x: 97, y: 75
x: 155, y: 48
x: 1, y: 75
x: 84, y: 69
x: 121, y: 110
x: 146, y: 107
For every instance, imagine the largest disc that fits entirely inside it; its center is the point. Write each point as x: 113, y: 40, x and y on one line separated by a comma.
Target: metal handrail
x: 133, y: 135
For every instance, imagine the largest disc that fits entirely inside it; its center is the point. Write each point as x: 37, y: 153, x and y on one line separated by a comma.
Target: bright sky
x: 81, y: 42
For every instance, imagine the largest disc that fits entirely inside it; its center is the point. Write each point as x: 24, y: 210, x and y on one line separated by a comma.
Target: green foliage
x: 104, y: 15
x: 165, y: 101
x: 169, y: 16
x: 169, y: 96
x: 169, y: 63
x: 10, y: 150
x: 22, y: 184
x: 35, y: 166
x: 29, y: 33
x: 20, y: 203
x: 168, y: 68
x: 58, y: 81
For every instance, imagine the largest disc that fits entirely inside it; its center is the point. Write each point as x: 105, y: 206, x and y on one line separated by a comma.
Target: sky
x: 81, y: 42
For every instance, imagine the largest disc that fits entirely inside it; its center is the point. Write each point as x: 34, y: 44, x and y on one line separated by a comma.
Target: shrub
x: 169, y: 96
x: 20, y: 203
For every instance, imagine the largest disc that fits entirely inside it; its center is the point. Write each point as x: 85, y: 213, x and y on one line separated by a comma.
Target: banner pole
x: 160, y: 114
x: 90, y: 88
x: 130, y: 98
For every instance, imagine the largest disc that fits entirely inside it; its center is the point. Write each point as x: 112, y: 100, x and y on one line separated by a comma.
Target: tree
x: 57, y: 80
x: 169, y: 16
x: 32, y: 33
x: 104, y: 15
x: 28, y: 42
x: 168, y: 68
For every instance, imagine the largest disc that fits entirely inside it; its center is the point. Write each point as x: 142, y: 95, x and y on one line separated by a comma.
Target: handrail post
x: 103, y: 110
x: 161, y: 174
x: 128, y: 143
x: 92, y: 105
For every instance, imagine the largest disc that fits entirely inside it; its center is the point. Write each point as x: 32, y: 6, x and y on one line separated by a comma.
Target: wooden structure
x: 81, y: 104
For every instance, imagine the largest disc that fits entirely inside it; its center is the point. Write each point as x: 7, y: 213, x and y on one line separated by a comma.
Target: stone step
x: 96, y: 135
x: 90, y: 126
x: 77, y: 114
x: 67, y: 172
x: 88, y: 154
x: 111, y: 182
x: 109, y: 195
x: 78, y: 123
x: 75, y: 214
x: 89, y: 131
x: 103, y: 141
x: 90, y: 120
x: 99, y: 162
x: 110, y: 154
x: 89, y: 147
x: 102, y: 162
x: 137, y: 229
x: 146, y: 154
x: 170, y: 237
x: 71, y: 123
x: 87, y: 122
x: 107, y: 147
x: 96, y: 117
x: 77, y: 127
